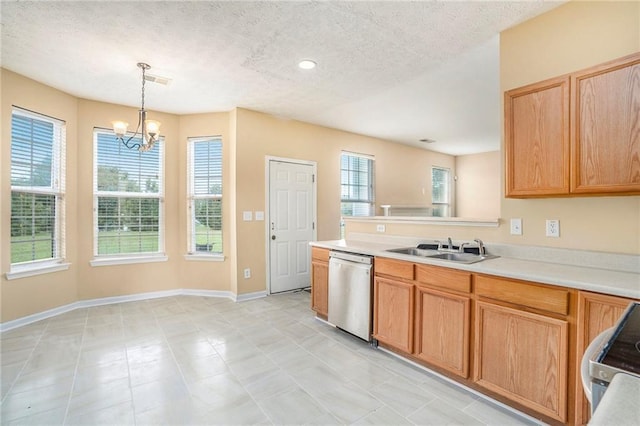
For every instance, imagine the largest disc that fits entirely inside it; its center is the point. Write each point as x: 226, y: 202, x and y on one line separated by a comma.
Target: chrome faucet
x: 450, y: 243
x: 481, y: 249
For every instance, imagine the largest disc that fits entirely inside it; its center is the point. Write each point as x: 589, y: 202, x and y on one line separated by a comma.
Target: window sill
x: 111, y: 261
x: 32, y: 270
x: 204, y: 257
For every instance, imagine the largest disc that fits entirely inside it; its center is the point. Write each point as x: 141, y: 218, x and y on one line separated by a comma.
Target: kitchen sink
x: 412, y: 251
x: 458, y: 257
x: 462, y: 257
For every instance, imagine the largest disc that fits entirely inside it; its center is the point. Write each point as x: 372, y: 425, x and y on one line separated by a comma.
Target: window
x: 128, y: 198
x: 37, y: 188
x: 205, y: 195
x: 356, y: 182
x: 440, y: 191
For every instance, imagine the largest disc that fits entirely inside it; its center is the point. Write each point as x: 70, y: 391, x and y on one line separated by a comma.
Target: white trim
x: 110, y: 261
x: 204, y: 257
x: 249, y: 296
x: 30, y: 319
x: 425, y: 220
x: 267, y: 203
x: 31, y: 270
x: 208, y: 293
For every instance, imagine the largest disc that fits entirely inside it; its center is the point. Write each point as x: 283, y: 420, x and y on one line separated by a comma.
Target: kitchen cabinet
x: 521, y: 354
x: 320, y: 281
x: 537, y: 139
x: 606, y: 128
x: 393, y: 304
x: 596, y: 313
x: 393, y: 313
x: 575, y: 134
x: 442, y: 318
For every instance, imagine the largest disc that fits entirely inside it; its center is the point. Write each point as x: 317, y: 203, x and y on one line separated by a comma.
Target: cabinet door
x: 393, y: 313
x: 537, y: 139
x: 596, y: 313
x: 522, y: 356
x: 320, y: 287
x: 442, y: 330
x: 606, y: 128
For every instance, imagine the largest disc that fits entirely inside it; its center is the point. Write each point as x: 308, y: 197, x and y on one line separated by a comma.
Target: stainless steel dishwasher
x: 350, y: 288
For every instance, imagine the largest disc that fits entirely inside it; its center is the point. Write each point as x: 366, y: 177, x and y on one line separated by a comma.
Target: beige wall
x: 401, y: 173
x: 29, y: 295
x: 247, y: 137
x: 199, y: 274
x: 571, y: 37
x: 478, y: 185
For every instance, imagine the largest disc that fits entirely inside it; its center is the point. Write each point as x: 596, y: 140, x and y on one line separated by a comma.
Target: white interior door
x: 291, y: 224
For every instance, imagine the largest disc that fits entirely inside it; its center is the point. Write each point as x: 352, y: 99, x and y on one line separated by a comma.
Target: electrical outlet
x: 247, y: 273
x: 380, y: 228
x: 553, y: 228
x: 516, y: 226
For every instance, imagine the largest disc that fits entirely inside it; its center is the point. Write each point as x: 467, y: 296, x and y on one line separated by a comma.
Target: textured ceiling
x: 397, y: 70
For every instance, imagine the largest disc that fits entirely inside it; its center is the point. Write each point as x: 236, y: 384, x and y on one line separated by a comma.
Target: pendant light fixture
x: 148, y: 130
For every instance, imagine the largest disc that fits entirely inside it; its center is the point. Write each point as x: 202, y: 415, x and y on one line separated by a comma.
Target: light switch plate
x: 259, y: 215
x: 516, y: 226
x: 247, y: 216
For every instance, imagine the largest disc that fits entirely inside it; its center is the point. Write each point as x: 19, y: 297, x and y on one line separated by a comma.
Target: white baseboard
x: 30, y: 319
x: 249, y: 296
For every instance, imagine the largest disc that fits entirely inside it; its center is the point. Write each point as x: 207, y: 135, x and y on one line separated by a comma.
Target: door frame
x: 267, y: 213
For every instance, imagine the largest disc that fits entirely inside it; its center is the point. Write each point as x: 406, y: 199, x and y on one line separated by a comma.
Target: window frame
x: 55, y: 189
x: 132, y: 257
x: 437, y: 205
x: 370, y: 200
x: 192, y: 251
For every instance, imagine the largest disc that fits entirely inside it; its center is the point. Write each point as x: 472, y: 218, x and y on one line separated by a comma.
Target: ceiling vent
x: 157, y: 79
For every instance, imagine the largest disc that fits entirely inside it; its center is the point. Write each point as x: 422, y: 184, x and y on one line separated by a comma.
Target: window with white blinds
x: 357, y: 194
x: 205, y: 195
x: 37, y: 188
x: 128, y: 198
x: 440, y: 191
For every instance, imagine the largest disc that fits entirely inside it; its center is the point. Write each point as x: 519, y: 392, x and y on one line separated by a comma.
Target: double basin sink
x: 457, y: 257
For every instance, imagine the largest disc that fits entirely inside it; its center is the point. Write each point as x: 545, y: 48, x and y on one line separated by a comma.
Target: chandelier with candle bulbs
x: 148, y: 130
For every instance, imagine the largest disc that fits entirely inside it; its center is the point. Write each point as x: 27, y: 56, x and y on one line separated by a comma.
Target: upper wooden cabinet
x: 606, y: 128
x: 575, y: 135
x: 537, y: 139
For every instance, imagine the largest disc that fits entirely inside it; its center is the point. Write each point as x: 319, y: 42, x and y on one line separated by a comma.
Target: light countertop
x: 602, y: 280
x: 620, y: 404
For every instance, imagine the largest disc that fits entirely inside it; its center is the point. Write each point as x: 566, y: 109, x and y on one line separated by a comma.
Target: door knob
x: 273, y: 237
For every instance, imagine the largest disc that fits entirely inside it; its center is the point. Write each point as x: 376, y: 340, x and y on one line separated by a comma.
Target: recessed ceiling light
x: 307, y: 64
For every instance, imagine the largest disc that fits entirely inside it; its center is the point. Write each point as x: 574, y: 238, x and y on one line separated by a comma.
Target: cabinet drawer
x: 554, y: 300
x: 445, y: 278
x: 320, y: 254
x: 394, y: 268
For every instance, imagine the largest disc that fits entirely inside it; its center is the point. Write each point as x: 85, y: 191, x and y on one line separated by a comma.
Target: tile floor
x: 192, y: 360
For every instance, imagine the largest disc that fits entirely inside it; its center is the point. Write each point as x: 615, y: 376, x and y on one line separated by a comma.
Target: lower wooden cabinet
x: 522, y: 356
x: 596, y: 313
x: 320, y: 281
x: 393, y: 313
x: 442, y: 329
